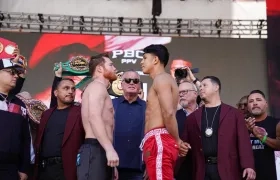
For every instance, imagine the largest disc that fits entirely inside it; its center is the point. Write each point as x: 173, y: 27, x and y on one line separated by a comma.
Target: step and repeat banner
x: 241, y: 64
x: 273, y: 59
x: 229, y: 59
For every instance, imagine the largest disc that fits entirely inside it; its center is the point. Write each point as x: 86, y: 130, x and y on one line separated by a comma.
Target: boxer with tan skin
x: 98, y: 122
x: 161, y: 144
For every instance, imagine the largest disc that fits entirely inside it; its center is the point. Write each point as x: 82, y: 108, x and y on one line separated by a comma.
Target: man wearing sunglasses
x: 14, y: 132
x: 129, y: 127
x: 161, y: 144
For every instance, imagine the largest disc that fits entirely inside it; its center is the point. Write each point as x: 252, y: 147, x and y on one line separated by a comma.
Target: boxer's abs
x: 108, y: 122
x: 153, y: 118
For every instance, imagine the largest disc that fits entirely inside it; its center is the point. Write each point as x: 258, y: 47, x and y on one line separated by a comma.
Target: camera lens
x: 180, y: 73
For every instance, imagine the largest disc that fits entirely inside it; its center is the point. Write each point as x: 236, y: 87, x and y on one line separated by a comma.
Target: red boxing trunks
x: 160, y: 152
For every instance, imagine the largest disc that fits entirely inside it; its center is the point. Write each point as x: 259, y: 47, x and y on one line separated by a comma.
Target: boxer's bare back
x: 98, y: 117
x: 162, y: 103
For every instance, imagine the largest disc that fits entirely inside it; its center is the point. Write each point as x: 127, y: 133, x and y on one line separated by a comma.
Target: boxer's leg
x: 149, y: 156
x: 169, y: 156
x: 83, y: 163
x: 93, y: 162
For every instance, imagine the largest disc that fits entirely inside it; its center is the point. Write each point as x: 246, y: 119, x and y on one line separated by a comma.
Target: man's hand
x: 58, y: 73
x: 116, y: 174
x: 250, y: 123
x: 183, y: 148
x: 190, y: 76
x: 145, y: 175
x: 112, y: 158
x: 249, y: 173
x: 17, y: 54
x: 259, y: 132
x: 22, y: 176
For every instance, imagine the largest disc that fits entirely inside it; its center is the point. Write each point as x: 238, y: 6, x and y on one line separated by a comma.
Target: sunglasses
x: 12, y: 71
x: 129, y: 80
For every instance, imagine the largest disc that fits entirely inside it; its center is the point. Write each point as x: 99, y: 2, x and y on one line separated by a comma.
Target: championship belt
x: 116, y: 85
x: 35, y: 108
x: 76, y: 66
x: 7, y: 48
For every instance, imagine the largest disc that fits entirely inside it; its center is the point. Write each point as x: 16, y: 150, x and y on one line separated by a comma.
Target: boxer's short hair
x: 95, y: 61
x: 160, y: 51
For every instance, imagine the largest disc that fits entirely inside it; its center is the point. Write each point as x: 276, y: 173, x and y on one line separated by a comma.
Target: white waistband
x: 152, y: 133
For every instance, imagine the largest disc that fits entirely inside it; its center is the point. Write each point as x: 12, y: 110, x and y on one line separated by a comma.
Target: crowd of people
x: 182, y: 131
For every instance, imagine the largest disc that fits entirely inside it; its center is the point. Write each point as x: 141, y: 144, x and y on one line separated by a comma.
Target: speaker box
x: 156, y: 9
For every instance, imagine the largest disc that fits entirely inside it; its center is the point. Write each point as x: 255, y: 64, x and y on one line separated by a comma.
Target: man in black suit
x: 188, y: 95
x: 188, y: 100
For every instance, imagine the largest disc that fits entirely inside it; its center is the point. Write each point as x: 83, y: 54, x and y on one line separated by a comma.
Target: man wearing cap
x: 14, y: 131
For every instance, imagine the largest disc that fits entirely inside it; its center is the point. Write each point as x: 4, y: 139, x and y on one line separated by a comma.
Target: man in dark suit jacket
x: 59, y: 136
x: 220, y: 142
x: 188, y: 100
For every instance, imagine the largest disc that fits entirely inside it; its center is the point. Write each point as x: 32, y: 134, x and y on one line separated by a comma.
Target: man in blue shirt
x: 129, y: 127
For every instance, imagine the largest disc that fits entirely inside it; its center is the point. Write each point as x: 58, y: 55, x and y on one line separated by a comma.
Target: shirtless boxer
x: 97, y: 156
x: 161, y: 144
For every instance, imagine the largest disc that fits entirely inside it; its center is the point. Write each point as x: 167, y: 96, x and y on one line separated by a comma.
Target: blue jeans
x: 130, y: 174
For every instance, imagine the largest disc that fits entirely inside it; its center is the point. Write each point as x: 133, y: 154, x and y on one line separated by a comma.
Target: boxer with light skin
x: 98, y: 122
x: 161, y: 129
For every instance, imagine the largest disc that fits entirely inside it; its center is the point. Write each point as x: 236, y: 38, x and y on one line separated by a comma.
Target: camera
x: 182, y: 73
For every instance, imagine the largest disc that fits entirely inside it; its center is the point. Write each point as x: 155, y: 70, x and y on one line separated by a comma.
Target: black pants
x: 92, y: 162
x: 8, y: 172
x: 211, y: 172
x: 52, y: 172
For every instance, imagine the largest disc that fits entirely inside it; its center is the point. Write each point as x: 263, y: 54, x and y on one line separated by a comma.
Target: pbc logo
x: 128, y: 56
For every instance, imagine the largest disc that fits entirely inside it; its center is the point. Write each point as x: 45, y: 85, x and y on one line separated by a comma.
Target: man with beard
x: 14, y: 133
x: 59, y: 136
x: 161, y: 143
x: 265, y: 136
x: 97, y: 156
x: 221, y: 148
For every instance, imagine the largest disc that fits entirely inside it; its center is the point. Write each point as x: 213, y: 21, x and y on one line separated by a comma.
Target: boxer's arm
x: 165, y: 96
x: 95, y: 100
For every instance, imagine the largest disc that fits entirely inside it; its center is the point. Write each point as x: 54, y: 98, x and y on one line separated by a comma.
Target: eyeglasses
x: 12, y: 71
x: 185, y: 92
x: 129, y: 80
